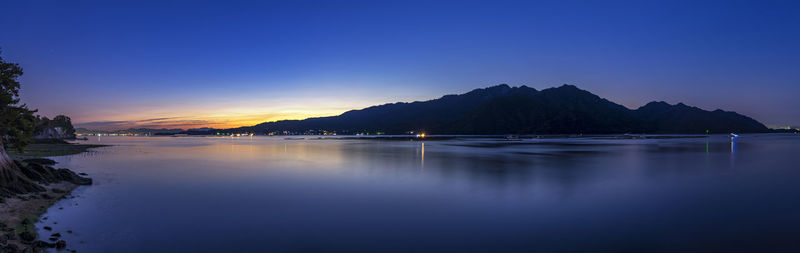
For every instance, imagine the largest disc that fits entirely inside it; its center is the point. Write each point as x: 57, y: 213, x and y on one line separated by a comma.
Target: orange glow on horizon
x: 218, y: 120
x: 223, y: 113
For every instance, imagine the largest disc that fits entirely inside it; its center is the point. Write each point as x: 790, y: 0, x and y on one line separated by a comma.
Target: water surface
x: 256, y: 194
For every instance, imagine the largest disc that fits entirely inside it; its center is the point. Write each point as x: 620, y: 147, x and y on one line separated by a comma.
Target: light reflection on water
x: 206, y: 194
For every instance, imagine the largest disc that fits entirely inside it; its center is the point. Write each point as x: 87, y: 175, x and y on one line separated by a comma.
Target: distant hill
x: 520, y: 110
x: 680, y: 118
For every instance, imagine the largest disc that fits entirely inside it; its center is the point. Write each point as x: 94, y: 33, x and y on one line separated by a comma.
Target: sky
x: 186, y: 64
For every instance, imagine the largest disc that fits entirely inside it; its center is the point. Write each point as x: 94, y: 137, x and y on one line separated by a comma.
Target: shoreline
x: 20, y: 213
x: 40, y: 150
x: 18, y: 216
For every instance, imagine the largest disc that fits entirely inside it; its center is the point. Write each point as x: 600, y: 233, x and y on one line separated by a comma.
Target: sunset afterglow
x: 399, y: 126
x: 107, y: 67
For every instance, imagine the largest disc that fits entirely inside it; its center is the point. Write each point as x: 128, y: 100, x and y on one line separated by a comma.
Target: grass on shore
x: 28, y: 226
x: 51, y: 149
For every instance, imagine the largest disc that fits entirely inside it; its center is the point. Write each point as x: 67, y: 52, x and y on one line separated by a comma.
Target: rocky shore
x: 34, y: 186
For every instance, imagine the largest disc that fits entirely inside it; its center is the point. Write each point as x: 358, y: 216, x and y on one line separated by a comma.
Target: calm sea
x: 270, y: 194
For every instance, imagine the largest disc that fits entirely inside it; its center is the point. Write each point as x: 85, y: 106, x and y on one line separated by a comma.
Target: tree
x: 16, y: 121
x: 16, y: 127
x: 65, y: 123
x: 45, y: 126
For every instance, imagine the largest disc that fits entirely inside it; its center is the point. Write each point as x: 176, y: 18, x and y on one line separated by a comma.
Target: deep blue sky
x: 233, y: 63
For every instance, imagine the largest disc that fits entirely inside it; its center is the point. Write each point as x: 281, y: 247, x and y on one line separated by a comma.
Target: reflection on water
x: 422, y: 155
x: 205, y: 194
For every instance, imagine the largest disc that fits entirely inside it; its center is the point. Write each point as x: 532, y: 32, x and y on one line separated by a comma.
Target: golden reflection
x: 422, y: 160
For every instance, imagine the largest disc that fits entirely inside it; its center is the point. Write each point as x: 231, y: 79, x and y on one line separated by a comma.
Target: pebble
x: 61, y: 244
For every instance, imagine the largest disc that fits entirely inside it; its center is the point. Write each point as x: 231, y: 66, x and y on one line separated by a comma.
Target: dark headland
x: 503, y: 109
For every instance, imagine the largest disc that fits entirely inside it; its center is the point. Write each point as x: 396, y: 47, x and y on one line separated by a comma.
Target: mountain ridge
x: 502, y: 109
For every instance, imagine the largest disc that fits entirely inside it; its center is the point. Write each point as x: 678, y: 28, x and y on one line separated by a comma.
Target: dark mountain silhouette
x: 680, y: 118
x: 520, y: 110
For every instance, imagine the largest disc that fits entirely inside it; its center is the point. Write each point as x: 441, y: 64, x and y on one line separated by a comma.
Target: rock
x: 45, y: 196
x: 52, y: 134
x: 11, y: 248
x: 53, y: 239
x: 27, y: 236
x: 46, y: 174
x: 56, y: 235
x: 47, y: 228
x: 69, y: 231
x: 69, y: 176
x: 56, y: 190
x: 3, y: 240
x: 44, y: 218
x: 83, y: 174
x: 37, y: 172
x: 43, y: 244
x: 61, y: 244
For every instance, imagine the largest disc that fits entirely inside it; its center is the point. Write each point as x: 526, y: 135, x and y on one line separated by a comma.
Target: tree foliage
x: 16, y: 121
x: 60, y: 121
